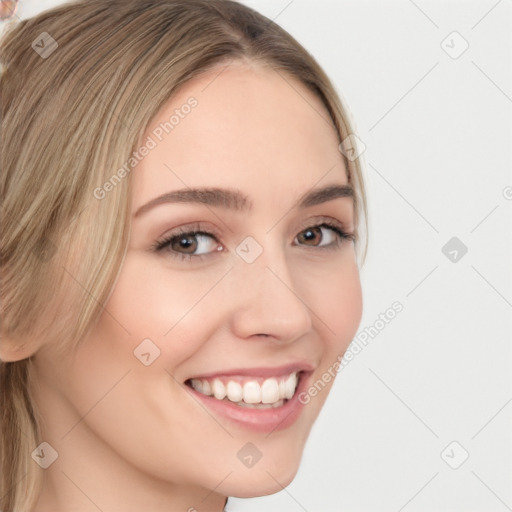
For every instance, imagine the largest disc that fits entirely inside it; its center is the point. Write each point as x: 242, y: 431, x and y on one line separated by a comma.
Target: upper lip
x: 261, y: 371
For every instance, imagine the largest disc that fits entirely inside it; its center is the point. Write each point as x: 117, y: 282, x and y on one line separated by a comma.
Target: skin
x: 131, y: 437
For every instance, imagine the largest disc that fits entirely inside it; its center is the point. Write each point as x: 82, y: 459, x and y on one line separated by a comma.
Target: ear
x: 15, y: 350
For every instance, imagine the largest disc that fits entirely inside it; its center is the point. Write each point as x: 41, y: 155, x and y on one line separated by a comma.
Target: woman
x: 179, y: 234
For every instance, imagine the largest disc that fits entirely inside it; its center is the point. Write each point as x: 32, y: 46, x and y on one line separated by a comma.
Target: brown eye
x: 190, y: 244
x: 310, y: 236
x: 323, y: 235
x: 184, y: 243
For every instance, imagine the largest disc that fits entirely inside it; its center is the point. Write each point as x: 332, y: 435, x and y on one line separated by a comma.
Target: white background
x: 437, y: 132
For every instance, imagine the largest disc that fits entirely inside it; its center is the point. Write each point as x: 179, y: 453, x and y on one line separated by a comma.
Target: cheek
x: 155, y: 302
x: 334, y: 295
x: 177, y: 309
x: 346, y: 305
x: 335, y: 298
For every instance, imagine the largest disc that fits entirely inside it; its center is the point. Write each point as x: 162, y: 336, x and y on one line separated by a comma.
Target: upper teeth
x: 270, y: 391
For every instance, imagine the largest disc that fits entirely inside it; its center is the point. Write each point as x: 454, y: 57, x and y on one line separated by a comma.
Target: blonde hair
x: 71, y: 117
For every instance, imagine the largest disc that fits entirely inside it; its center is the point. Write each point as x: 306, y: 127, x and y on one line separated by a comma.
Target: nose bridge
x: 267, y: 300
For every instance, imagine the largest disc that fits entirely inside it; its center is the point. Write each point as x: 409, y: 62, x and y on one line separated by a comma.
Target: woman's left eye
x: 187, y: 245
x: 325, y: 234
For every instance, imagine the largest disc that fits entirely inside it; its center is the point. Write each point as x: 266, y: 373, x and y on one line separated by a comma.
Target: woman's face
x: 267, y: 290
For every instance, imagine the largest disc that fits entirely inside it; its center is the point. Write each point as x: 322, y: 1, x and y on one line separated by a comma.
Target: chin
x: 262, y: 481
x: 265, y: 487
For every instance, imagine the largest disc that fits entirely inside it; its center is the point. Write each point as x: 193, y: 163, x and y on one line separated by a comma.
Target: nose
x: 267, y: 300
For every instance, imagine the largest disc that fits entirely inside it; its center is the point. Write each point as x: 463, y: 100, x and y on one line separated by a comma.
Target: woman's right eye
x: 188, y: 244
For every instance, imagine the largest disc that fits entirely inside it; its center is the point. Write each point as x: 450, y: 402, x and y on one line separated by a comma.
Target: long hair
x: 79, y: 85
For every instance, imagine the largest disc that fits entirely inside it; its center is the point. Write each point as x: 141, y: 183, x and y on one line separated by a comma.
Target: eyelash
x: 160, y: 245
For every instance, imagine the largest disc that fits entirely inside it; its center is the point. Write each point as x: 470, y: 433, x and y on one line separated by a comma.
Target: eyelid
x: 189, y: 227
x: 319, y: 219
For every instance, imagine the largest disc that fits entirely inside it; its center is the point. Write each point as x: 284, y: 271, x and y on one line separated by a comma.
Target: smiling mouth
x: 251, y: 392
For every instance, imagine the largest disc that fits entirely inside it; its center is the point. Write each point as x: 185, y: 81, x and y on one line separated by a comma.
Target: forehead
x: 243, y: 126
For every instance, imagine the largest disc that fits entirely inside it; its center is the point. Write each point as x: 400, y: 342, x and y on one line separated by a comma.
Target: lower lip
x: 260, y: 420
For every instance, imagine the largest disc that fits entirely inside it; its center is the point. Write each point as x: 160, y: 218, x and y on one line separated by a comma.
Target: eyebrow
x: 235, y: 200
